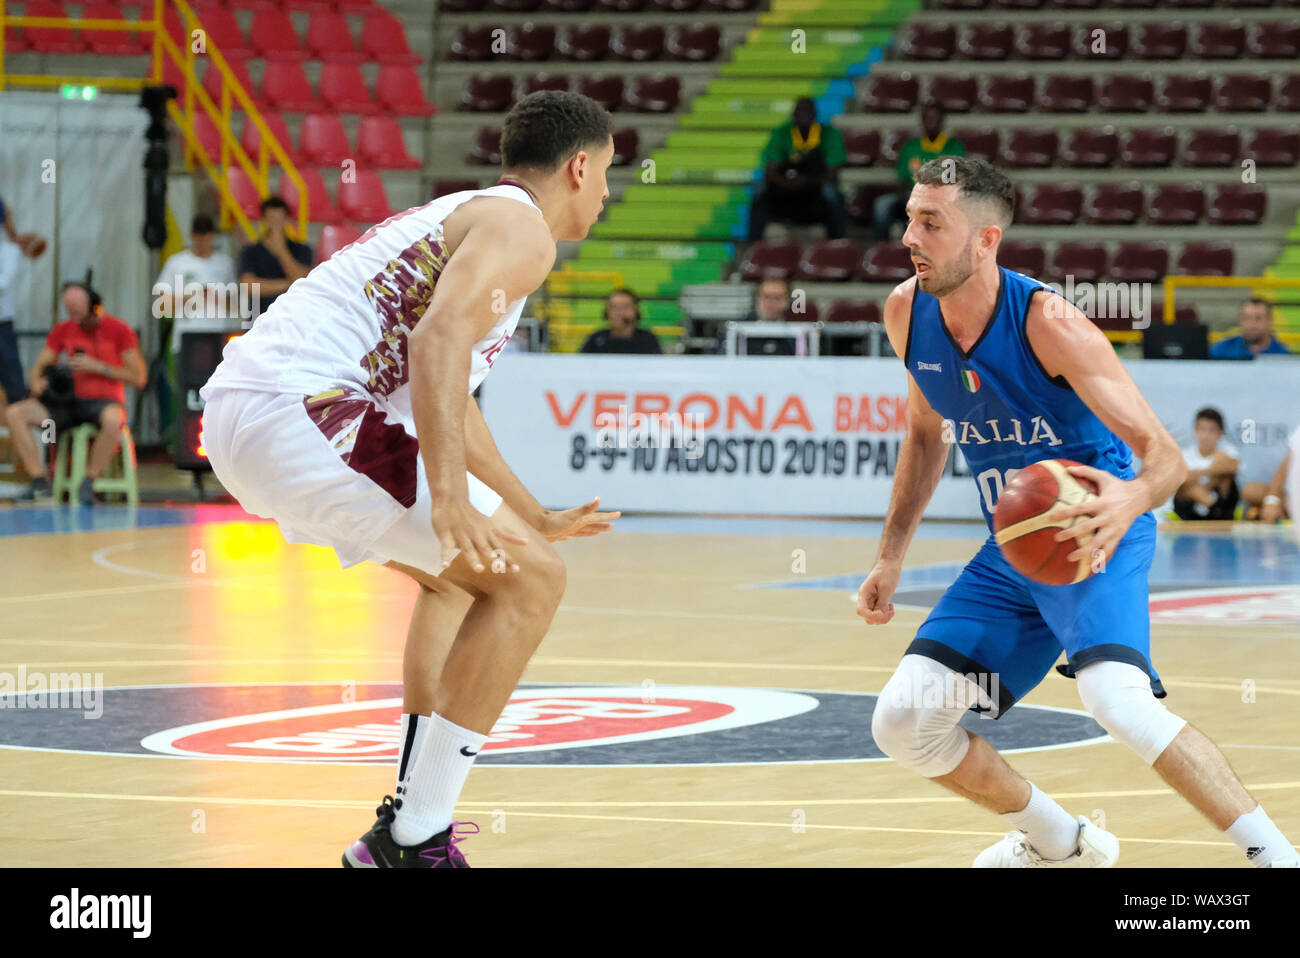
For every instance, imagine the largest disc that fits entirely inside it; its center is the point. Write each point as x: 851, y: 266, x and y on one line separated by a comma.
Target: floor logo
x: 1239, y: 605
x: 586, y: 725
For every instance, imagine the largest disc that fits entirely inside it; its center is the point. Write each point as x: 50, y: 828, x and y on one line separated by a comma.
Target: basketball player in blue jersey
x: 1013, y: 373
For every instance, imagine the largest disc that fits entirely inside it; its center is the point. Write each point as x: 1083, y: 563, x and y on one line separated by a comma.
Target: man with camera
x: 78, y: 378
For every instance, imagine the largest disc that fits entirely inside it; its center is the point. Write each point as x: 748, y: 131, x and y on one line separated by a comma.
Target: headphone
x: 93, y: 298
x: 636, y: 303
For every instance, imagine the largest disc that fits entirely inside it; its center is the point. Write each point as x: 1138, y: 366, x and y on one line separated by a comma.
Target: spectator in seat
x: 1210, y: 489
x: 1256, y: 320
x: 891, y: 208
x: 275, y: 262
x: 1268, y: 502
x: 800, y: 165
x: 771, y: 305
x: 78, y: 378
x: 623, y: 313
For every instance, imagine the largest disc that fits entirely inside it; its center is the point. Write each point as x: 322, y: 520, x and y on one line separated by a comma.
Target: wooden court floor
x: 229, y: 603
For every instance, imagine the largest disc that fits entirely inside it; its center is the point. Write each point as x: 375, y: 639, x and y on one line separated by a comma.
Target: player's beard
x: 942, y: 282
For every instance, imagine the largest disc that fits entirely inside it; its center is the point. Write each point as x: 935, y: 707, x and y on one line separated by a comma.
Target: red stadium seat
x: 1213, y: 148
x: 730, y: 6
x: 987, y: 41
x: 767, y: 259
x: 1148, y: 148
x: 961, y: 4
x: 343, y: 89
x: 545, y: 81
x: 1053, y: 205
x: 273, y: 36
x: 1125, y: 94
x: 400, y: 90
x: 383, y: 39
x: 486, y: 93
x: 1074, y: 4
x: 1182, y: 314
x: 284, y: 86
x: 566, y: 6
x: 955, y: 93
x: 830, y: 261
x: 446, y: 186
x: 674, y: 6
x: 1114, y: 204
x: 531, y: 42
x: 362, y: 197
x: 893, y: 144
x: 1205, y: 259
x: 698, y: 43
x: 1243, y: 93
x: 1018, y: 4
x: 1189, y: 4
x: 51, y: 39
x: 618, y: 6
x: 584, y: 43
x: 1007, y: 94
x: 330, y: 38
x: 487, y: 147
x: 861, y: 202
x: 251, y: 139
x: 853, y: 311
x: 1247, y: 4
x: 323, y: 140
x: 627, y: 143
x: 113, y: 43
x: 1176, y: 205
x: 891, y: 94
x: 886, y: 263
x: 1091, y: 149
x: 1288, y: 95
x: 1139, y: 263
x: 1274, y: 41
x: 984, y: 142
x: 222, y: 30
x: 334, y: 238
x: 1027, y: 149
x: 206, y: 132
x: 1183, y: 94
x: 1237, y: 205
x: 1044, y: 41
x: 605, y: 88
x: 1065, y: 94
x: 637, y: 43
x: 1218, y: 41
x: 470, y: 43
x: 653, y: 94
x: 1273, y: 147
x: 320, y: 209
x: 1160, y: 41
x: 515, y: 6
x: 925, y: 41
x: 246, y: 196
x: 1085, y: 262
x: 1026, y: 258
x: 1101, y: 41
x: 861, y: 147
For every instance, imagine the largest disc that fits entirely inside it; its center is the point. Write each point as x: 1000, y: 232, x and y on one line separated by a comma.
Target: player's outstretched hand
x: 875, y: 592
x: 575, y: 522
x: 1106, y: 518
x: 459, y: 526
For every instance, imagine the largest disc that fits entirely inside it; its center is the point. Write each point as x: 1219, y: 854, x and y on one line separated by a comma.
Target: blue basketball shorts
x: 999, y: 625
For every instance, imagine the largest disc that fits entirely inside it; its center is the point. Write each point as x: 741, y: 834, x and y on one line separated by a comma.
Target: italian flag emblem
x: 970, y: 380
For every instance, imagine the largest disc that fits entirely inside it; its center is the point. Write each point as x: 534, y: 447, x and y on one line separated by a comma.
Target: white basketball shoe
x: 1096, y: 848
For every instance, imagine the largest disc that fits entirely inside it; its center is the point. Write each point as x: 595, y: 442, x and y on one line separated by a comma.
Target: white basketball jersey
x: 347, y: 321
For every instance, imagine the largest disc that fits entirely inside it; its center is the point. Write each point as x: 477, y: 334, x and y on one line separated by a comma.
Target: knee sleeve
x: 1118, y: 695
x: 912, y: 731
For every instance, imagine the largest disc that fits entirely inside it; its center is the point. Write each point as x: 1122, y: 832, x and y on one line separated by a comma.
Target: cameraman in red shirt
x: 78, y: 378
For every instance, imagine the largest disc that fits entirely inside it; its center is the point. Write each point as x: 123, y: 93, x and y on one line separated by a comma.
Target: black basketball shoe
x: 376, y: 848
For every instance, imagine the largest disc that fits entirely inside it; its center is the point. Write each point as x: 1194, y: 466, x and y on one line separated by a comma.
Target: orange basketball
x: 1024, y: 532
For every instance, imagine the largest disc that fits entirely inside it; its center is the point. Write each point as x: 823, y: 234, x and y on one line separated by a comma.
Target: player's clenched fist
x: 462, y: 528
x: 875, y: 592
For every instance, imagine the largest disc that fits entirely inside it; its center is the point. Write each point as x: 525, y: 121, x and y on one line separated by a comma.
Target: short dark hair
x: 624, y: 291
x: 1211, y: 414
x: 978, y: 178
x: 1256, y: 301
x: 273, y: 203
x: 934, y: 105
x: 545, y: 128
x: 202, y: 225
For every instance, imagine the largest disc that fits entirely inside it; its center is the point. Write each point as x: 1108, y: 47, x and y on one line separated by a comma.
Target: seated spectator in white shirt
x: 197, y: 287
x: 1268, y: 502
x: 1210, y: 490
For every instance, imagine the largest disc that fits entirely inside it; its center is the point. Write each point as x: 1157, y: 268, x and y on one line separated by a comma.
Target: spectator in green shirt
x: 800, y: 165
x: 891, y: 208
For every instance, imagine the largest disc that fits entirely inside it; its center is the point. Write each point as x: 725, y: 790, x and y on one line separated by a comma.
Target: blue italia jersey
x: 1001, y: 407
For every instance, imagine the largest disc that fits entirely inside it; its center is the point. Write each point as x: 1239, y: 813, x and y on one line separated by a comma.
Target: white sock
x: 414, y: 727
x: 446, y: 755
x: 1051, y: 830
x: 1261, y: 841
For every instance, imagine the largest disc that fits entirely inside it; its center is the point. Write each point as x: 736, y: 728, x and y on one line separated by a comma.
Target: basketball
x: 1024, y: 532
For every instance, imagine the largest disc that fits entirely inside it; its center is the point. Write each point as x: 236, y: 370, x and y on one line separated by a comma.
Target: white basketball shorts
x: 339, y: 469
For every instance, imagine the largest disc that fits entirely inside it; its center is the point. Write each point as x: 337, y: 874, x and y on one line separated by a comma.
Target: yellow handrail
x: 182, y: 113
x: 1226, y: 282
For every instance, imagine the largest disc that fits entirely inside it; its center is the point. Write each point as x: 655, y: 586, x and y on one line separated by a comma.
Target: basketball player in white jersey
x: 344, y: 414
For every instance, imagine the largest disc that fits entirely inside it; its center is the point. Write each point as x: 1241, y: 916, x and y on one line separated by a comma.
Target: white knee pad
x: 911, y: 727
x: 1118, y: 695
